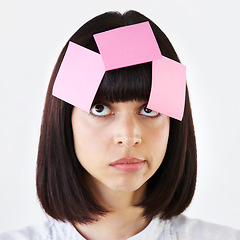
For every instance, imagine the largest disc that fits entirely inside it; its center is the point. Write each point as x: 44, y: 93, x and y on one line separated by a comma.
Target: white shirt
x: 178, y: 228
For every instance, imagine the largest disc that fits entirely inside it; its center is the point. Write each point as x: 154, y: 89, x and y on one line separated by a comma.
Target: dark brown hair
x: 61, y: 187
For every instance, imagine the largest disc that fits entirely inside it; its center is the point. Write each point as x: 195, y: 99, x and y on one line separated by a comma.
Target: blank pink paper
x: 168, y: 88
x: 127, y: 46
x: 79, y: 76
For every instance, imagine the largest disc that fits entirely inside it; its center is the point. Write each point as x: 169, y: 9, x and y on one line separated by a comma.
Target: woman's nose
x: 127, y: 131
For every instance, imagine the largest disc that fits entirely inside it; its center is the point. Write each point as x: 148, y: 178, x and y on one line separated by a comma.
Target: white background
x: 206, y: 37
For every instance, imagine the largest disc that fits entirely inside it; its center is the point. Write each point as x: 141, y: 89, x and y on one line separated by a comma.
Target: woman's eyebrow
x: 98, y: 101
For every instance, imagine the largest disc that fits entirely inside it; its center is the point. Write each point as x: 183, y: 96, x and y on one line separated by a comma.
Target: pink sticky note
x: 168, y: 88
x: 127, y: 46
x: 79, y: 76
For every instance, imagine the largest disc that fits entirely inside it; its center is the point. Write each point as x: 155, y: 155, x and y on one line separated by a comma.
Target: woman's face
x: 121, y: 145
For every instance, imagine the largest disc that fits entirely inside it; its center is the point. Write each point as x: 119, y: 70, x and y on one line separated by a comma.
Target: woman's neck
x: 124, y: 219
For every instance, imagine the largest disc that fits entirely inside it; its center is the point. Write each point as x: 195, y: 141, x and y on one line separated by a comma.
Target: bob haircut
x: 61, y: 187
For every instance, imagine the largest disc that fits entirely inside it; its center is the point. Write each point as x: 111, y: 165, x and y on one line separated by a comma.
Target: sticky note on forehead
x: 127, y: 46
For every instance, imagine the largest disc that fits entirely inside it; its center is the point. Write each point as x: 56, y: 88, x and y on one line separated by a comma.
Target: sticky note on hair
x: 168, y: 88
x: 79, y: 76
x: 127, y: 46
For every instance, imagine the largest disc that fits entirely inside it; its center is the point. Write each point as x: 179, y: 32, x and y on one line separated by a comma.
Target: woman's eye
x: 149, y: 113
x: 100, y: 110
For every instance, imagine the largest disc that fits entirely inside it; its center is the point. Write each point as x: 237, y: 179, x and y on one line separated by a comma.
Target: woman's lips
x: 128, y: 165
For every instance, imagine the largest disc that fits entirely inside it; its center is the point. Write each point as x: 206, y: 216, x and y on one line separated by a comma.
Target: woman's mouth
x: 128, y: 165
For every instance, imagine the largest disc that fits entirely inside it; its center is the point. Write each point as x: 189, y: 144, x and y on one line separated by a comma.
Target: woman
x: 121, y: 170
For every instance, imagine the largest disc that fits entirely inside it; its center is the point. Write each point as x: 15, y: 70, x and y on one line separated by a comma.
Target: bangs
x: 125, y: 84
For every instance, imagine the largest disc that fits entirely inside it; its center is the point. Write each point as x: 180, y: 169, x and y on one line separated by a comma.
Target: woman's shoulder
x: 31, y: 232
x: 49, y: 230
x: 183, y: 228
x: 195, y: 229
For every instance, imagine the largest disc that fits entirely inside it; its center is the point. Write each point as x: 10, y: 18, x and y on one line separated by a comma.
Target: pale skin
x: 125, y: 130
